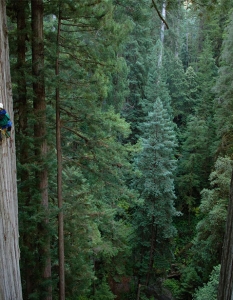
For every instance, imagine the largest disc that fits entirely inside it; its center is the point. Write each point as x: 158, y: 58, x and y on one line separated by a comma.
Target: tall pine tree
x: 153, y: 218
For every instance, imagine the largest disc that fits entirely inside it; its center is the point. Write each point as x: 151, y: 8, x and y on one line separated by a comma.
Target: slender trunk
x: 177, y: 42
x: 152, y: 250
x: 39, y: 105
x: 10, y: 281
x: 22, y: 108
x: 187, y: 45
x: 139, y: 291
x: 59, y: 180
x: 162, y: 31
x: 21, y: 52
x: 225, y: 288
x: 162, y: 23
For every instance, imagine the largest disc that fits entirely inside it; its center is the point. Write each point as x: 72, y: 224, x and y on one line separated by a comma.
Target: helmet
x: 1, y: 105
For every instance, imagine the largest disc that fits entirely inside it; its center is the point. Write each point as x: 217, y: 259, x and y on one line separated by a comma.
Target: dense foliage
x: 143, y: 92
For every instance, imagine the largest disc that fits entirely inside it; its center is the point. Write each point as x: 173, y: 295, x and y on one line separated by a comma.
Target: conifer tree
x: 39, y: 106
x: 10, y: 281
x: 24, y: 120
x: 154, y: 216
x: 177, y: 86
x: 23, y: 143
x: 213, y: 208
x: 139, y: 42
x: 225, y: 288
x: 224, y: 122
x: 156, y: 83
x: 108, y: 67
x: 207, y: 72
x: 191, y: 173
x: 94, y: 160
x: 59, y: 173
x: 223, y: 103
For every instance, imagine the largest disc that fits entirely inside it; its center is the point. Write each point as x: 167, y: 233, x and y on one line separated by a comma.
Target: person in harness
x: 5, y: 122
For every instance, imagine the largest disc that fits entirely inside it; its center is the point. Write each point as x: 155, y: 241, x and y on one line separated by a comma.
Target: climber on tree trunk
x: 5, y: 122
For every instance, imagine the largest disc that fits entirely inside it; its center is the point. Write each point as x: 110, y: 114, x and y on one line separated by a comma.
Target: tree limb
x: 76, y: 133
x: 159, y: 14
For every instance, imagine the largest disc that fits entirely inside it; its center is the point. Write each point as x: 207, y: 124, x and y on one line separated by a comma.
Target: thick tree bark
x: 59, y: 180
x: 10, y: 282
x: 40, y: 129
x: 225, y: 289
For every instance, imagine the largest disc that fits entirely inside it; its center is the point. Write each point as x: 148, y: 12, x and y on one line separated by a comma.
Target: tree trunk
x: 21, y: 60
x: 22, y: 132
x: 225, y: 288
x: 40, y: 130
x: 10, y: 282
x: 162, y: 30
x: 59, y: 180
x: 152, y: 250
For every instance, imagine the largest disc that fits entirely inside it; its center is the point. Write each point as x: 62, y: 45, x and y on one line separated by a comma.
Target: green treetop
x: 157, y: 164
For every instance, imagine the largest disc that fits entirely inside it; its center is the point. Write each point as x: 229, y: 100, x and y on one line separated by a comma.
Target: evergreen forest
x: 123, y: 125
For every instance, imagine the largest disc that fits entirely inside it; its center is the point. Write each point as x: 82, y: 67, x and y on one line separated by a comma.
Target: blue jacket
x: 5, y: 121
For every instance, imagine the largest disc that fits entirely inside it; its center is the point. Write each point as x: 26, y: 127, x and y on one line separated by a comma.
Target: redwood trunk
x: 22, y: 132
x: 40, y: 129
x: 59, y: 181
x: 225, y: 289
x: 10, y: 282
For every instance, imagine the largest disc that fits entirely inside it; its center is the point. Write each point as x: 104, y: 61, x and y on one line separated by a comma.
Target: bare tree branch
x: 159, y: 14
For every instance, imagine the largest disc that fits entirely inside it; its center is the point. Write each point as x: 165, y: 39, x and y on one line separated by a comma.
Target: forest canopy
x: 123, y: 118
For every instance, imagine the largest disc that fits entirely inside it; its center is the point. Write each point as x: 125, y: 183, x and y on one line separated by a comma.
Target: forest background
x: 123, y: 122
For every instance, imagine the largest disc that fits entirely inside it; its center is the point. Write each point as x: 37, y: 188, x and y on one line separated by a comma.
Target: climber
x: 5, y: 122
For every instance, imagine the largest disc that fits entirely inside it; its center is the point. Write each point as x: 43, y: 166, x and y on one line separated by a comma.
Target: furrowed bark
x: 10, y: 281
